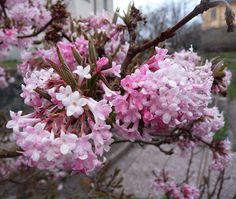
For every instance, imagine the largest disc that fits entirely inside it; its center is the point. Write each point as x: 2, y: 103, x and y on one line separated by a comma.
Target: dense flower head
x: 168, y: 95
x: 37, y: 59
x: 107, y: 36
x: 68, y: 128
x: 164, y: 93
x: 113, y: 34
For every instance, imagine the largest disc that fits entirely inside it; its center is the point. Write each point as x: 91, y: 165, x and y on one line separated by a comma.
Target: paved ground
x: 137, y: 166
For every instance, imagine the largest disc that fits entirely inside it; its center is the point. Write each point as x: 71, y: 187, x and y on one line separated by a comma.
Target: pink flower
x: 100, y: 110
x: 101, y: 62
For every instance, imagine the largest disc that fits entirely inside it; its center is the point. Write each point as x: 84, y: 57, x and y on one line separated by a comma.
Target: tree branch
x: 170, y: 32
x: 9, y: 150
x: 39, y: 31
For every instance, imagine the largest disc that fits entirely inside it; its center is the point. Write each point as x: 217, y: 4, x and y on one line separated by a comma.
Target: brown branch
x: 6, y: 19
x: 170, y: 32
x: 155, y: 143
x: 189, y: 167
x: 39, y: 31
x: 221, y: 185
x: 66, y: 36
x: 9, y: 150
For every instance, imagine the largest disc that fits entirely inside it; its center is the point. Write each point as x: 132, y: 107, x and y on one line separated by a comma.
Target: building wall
x: 214, y: 35
x: 83, y: 8
x: 215, y: 17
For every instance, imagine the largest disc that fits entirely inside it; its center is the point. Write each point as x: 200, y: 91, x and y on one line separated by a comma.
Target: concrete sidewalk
x: 138, y: 164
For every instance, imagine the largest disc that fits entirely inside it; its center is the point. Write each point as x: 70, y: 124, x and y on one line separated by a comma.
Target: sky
x: 123, y: 4
x: 152, y: 4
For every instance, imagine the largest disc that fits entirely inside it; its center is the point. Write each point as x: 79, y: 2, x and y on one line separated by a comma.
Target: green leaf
x: 165, y: 197
x: 55, y: 67
x: 67, y: 75
x: 92, y: 53
x: 115, y: 16
x: 92, y: 82
x: 222, y: 134
x: 77, y: 56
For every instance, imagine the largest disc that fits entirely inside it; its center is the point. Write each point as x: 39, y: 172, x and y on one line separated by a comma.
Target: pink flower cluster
x: 167, y: 93
x: 67, y: 129
x: 21, y: 18
x: 164, y: 93
x: 168, y: 186
x: 102, y: 24
x: 33, y: 60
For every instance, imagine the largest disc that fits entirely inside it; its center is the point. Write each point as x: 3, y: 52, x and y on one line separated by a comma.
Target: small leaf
x: 43, y: 93
x: 77, y: 56
x: 55, y: 67
x: 115, y: 16
x: 66, y: 72
x: 92, y: 82
x: 92, y: 53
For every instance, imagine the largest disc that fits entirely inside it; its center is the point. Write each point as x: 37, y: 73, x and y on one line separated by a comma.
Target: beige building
x: 82, y: 8
x: 214, y: 30
x: 215, y: 17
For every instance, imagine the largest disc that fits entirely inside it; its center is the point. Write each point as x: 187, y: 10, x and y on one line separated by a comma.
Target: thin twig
x: 189, y: 166
x: 221, y: 184
x: 66, y: 36
x: 39, y: 31
x: 156, y: 143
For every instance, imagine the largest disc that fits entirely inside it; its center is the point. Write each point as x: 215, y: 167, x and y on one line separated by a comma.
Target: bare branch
x: 38, y: 32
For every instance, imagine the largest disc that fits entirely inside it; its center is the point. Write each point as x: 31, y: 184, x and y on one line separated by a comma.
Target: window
x: 105, y: 4
x: 213, y: 14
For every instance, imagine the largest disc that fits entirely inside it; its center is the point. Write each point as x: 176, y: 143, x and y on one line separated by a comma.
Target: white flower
x: 66, y: 143
x: 83, y: 72
x: 75, y: 105
x: 64, y: 95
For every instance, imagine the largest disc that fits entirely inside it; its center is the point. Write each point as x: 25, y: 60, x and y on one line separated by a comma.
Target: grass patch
x: 229, y: 57
x: 9, y: 63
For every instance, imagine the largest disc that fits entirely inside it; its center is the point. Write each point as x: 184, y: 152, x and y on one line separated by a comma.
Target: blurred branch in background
x: 166, y: 16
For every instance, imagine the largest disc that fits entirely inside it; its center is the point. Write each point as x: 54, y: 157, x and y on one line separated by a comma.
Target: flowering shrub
x: 97, y: 89
x: 168, y: 95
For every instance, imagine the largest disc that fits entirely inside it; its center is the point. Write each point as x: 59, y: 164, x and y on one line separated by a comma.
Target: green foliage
x: 222, y: 133
x: 9, y: 64
x: 92, y: 54
x: 164, y: 197
x: 77, y: 56
x: 67, y: 75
